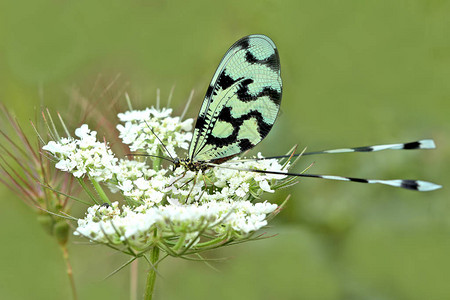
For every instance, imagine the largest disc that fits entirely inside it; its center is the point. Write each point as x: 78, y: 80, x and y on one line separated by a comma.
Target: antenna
x: 162, y: 144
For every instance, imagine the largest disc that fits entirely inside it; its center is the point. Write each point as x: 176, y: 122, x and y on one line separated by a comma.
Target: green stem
x: 211, y: 242
x: 100, y: 191
x: 151, y: 277
x: 157, y: 161
x: 69, y: 272
x: 86, y: 189
x: 180, y: 242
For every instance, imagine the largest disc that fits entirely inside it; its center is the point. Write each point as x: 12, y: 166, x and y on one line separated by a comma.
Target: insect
x: 241, y: 105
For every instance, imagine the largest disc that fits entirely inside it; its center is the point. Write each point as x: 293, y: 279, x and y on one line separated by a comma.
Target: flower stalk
x: 100, y: 192
x: 69, y: 271
x: 151, y: 276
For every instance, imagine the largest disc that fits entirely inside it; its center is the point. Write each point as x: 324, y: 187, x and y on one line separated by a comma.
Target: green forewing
x: 241, y: 103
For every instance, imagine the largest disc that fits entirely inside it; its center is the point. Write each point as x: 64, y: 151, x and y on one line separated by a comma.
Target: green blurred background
x: 355, y: 73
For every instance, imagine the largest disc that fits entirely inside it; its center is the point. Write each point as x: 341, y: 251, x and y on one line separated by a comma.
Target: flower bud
x: 61, y: 231
x: 46, y: 222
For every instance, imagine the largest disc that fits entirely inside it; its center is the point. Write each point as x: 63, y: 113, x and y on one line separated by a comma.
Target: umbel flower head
x: 179, y: 211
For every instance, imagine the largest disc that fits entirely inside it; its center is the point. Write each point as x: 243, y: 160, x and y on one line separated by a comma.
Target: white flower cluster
x: 83, y: 156
x: 137, y: 130
x: 179, y: 204
x: 104, y: 224
x: 138, y: 182
x: 230, y: 181
x: 234, y: 178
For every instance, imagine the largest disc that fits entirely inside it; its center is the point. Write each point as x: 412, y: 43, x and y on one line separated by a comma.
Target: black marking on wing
x: 410, y: 184
x: 225, y: 81
x: 201, y: 122
x: 225, y: 115
x: 243, y: 43
x: 412, y: 145
x: 271, y: 61
x: 243, y: 94
x: 263, y: 128
x: 358, y: 179
x: 362, y: 149
x: 245, y: 144
x: 209, y: 91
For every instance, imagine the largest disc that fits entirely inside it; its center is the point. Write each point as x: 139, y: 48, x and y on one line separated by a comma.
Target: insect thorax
x: 190, y: 165
x: 196, y: 165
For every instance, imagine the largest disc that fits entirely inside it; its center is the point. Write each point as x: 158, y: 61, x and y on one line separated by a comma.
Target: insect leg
x: 192, y: 188
x: 179, y: 178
